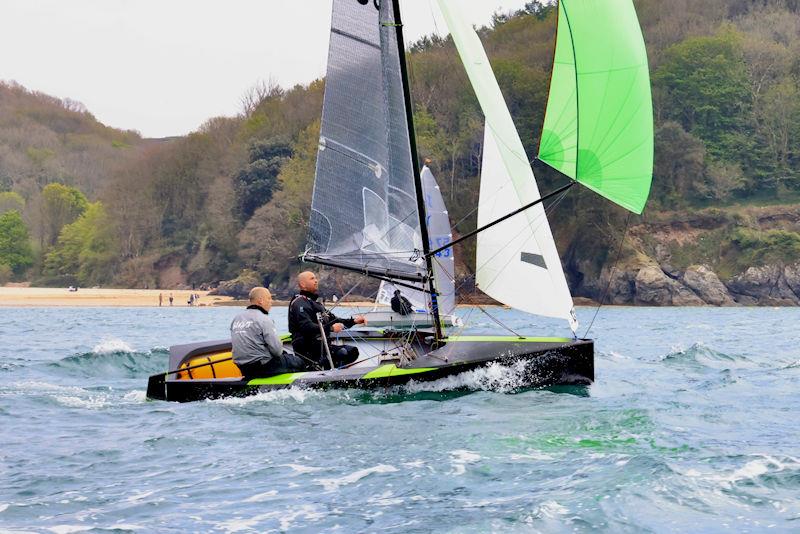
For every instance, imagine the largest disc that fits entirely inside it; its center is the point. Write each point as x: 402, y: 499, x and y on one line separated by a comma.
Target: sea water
x: 693, y: 425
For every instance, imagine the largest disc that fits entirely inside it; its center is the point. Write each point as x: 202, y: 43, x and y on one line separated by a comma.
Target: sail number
x: 441, y: 241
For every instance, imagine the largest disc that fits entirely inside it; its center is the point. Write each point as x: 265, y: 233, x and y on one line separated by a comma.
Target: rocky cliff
x: 718, y: 257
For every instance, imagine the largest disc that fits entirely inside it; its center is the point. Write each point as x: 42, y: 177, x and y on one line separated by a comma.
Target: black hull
x: 547, y: 363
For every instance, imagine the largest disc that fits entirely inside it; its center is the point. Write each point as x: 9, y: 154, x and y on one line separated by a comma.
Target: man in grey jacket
x: 257, y: 349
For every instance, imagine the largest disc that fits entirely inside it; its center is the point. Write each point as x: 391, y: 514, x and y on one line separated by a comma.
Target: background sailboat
x: 444, y: 268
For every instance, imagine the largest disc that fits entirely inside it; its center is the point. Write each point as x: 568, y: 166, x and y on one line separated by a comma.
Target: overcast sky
x: 163, y: 67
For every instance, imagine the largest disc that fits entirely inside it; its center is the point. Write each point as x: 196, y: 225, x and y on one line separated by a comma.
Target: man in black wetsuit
x: 400, y: 304
x: 307, y: 340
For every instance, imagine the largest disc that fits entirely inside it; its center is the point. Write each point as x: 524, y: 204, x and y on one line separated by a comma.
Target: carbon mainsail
x: 365, y: 213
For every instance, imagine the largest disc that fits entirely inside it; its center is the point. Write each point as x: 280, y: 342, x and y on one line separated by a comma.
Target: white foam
x: 387, y: 498
x: 69, y: 529
x: 532, y: 456
x: 299, y: 395
x: 751, y: 470
x: 302, y: 469
x: 332, y: 484
x: 135, y: 396
x: 3, y: 507
x: 33, y: 386
x: 261, y: 497
x: 493, y: 377
x: 552, y: 509
x: 285, y: 519
x: 460, y: 459
x: 111, y: 345
x: 91, y: 403
x: 238, y: 524
x: 138, y: 496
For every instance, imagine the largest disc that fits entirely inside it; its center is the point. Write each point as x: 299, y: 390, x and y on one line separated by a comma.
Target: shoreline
x: 48, y: 297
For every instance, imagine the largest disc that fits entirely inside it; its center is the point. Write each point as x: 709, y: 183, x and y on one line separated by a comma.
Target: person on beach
x: 257, y: 349
x: 170, y: 299
x: 160, y: 299
x: 306, y: 314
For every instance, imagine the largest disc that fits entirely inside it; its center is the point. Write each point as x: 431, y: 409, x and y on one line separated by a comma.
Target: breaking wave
x: 758, y: 470
x: 500, y: 378
x: 114, y: 358
x: 700, y: 356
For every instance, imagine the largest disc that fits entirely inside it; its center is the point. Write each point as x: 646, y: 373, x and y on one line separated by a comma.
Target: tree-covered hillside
x: 235, y: 195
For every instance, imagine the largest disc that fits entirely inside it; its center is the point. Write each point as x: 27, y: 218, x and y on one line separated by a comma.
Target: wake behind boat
x: 369, y: 213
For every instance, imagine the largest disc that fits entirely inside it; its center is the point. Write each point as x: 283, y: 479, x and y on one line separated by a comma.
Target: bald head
x: 260, y: 296
x: 307, y: 281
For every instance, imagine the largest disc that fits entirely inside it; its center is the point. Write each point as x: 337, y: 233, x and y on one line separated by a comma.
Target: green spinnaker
x: 598, y: 127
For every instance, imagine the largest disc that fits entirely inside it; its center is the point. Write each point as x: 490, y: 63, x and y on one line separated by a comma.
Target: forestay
x: 517, y: 260
x: 364, y: 209
x: 598, y: 127
x: 439, y: 233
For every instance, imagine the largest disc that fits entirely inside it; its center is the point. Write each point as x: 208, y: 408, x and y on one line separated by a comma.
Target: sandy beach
x: 56, y: 297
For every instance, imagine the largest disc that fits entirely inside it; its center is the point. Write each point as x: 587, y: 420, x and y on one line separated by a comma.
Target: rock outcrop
x: 707, y: 286
x: 239, y: 287
x: 655, y: 288
x: 771, y: 285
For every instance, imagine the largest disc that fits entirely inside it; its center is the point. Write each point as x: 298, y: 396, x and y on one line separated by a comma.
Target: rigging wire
x: 610, y: 274
x: 498, y: 322
x: 538, y: 222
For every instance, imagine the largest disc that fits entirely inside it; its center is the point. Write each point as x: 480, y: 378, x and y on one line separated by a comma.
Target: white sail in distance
x: 517, y: 262
x: 439, y: 234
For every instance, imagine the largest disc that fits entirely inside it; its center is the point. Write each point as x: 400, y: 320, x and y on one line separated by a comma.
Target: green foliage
x: 87, y: 248
x: 10, y: 200
x: 779, y: 119
x: 15, y: 248
x: 5, y: 273
x: 706, y: 86
x: 236, y: 194
x: 61, y: 205
x: 275, y: 234
x: 39, y: 156
x: 254, y: 185
x: 771, y: 246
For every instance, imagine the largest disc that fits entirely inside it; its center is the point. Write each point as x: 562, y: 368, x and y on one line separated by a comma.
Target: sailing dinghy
x: 369, y: 214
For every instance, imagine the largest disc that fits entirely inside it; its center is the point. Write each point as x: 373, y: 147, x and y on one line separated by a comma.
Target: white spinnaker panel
x: 517, y: 260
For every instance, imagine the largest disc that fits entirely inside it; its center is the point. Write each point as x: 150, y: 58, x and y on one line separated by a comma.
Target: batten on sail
x: 598, y: 126
x: 517, y: 260
x: 438, y: 222
x: 375, y: 227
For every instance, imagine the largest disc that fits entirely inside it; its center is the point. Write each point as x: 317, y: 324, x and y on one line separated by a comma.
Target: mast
x: 401, y: 47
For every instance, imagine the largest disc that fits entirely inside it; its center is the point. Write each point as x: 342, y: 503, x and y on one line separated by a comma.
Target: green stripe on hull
x: 507, y: 339
x: 388, y: 370
x: 277, y: 380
